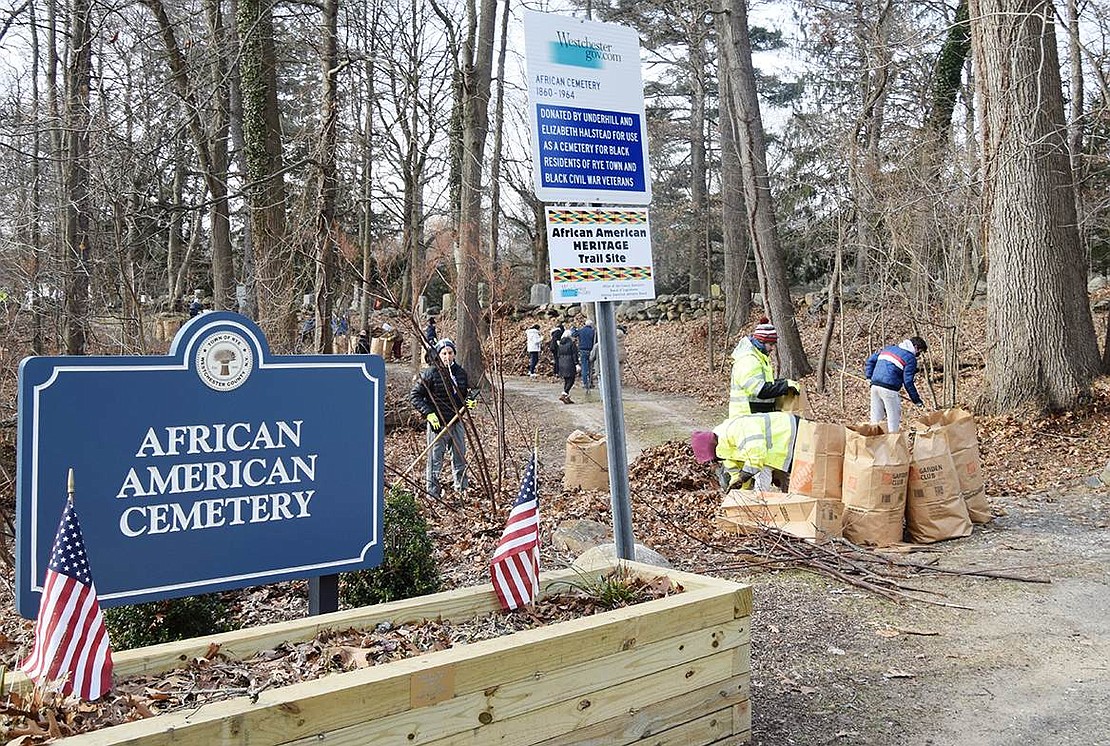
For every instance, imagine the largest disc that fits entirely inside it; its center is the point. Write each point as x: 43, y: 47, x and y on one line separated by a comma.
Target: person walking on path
x: 431, y: 336
x: 888, y: 370
x: 752, y: 385
x: 533, y: 343
x: 440, y: 393
x: 553, y: 345
x: 587, y: 339
x: 566, y: 364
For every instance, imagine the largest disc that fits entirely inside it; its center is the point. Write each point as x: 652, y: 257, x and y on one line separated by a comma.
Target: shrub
x: 165, y: 621
x: 408, y: 568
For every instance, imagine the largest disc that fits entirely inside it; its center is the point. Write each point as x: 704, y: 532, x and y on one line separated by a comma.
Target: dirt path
x: 1029, y: 663
x: 649, y: 418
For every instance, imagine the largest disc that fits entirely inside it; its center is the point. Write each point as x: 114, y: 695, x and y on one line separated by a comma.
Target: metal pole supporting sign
x: 613, y: 406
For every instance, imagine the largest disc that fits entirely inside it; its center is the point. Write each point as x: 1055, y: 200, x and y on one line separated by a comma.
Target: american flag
x: 515, y: 567
x: 71, y: 643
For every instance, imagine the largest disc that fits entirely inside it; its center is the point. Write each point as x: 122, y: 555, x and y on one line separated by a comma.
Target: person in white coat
x: 533, y: 343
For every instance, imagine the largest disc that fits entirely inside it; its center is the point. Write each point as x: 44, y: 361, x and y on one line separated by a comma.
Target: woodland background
x: 373, y: 152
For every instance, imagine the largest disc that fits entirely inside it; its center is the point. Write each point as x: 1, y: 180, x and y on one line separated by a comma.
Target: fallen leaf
x: 897, y: 673
x: 350, y: 657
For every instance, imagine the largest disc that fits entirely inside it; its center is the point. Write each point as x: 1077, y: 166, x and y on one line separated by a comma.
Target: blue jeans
x: 584, y: 361
x: 455, y: 439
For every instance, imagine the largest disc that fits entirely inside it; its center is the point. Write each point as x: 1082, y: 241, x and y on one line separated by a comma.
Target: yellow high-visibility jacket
x: 751, y: 369
x: 758, y: 440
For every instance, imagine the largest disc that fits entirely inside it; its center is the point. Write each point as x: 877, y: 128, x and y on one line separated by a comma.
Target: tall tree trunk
x: 865, y: 161
x: 177, y: 264
x: 498, y: 130
x: 238, y: 147
x: 959, y: 270
x: 1040, y: 345
x: 77, y: 234
x: 224, y: 294
x: 477, y: 56
x: 744, y: 111
x: 213, y: 159
x: 262, y: 150
x: 37, y: 248
x: 326, y: 250
x: 698, y: 242
x: 736, y: 243
x: 366, y: 185
x: 947, y: 75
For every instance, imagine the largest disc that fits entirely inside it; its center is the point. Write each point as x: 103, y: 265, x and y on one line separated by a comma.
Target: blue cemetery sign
x: 217, y: 466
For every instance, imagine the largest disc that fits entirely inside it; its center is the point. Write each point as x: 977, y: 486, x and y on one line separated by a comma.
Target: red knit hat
x: 765, y: 331
x: 704, y: 445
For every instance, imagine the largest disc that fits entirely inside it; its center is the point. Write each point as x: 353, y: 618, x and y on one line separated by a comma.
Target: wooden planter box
x: 675, y: 670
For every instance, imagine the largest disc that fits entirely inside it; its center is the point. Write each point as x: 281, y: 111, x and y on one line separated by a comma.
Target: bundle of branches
x: 874, y: 571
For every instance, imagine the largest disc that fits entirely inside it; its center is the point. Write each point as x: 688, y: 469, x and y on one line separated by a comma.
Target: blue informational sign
x: 217, y: 466
x: 590, y: 149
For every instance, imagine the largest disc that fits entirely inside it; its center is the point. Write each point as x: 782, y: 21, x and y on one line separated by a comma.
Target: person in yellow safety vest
x: 751, y: 448
x: 753, y: 386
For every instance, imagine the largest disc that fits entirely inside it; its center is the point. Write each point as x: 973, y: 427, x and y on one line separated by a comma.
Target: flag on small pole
x: 515, y: 567
x: 71, y: 642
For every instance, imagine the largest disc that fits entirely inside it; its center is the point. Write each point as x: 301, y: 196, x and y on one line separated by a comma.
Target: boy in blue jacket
x: 888, y: 370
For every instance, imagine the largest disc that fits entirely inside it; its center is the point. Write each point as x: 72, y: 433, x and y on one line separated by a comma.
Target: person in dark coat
x: 586, y: 337
x: 553, y: 345
x: 440, y: 393
x: 362, y: 346
x: 566, y: 364
x: 430, y: 334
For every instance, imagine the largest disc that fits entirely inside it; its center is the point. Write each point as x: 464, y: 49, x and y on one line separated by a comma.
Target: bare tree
x: 1040, y: 345
x: 262, y: 150
x: 736, y: 243
x: 475, y: 65
x: 745, y: 117
x: 211, y: 148
x: 78, y: 236
x: 326, y: 252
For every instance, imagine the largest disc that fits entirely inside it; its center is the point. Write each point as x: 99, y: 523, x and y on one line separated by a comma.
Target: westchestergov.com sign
x: 216, y: 466
x: 586, y: 107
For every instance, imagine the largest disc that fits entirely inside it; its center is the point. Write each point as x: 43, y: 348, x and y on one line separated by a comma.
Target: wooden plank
x: 582, y: 712
x: 580, y: 642
x: 455, y: 604
x: 742, y: 717
x: 632, y: 725
x: 701, y: 732
x: 593, y: 679
x: 341, y: 700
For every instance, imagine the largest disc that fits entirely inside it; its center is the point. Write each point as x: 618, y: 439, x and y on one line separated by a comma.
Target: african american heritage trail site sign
x: 216, y: 466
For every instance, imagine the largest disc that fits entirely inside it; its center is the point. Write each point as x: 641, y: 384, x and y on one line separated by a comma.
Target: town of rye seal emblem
x: 224, y: 361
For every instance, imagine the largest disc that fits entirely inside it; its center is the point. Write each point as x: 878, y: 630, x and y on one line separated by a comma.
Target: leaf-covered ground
x: 1035, y: 466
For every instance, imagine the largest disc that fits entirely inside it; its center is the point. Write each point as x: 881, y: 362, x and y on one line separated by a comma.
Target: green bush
x: 165, y: 621
x: 408, y: 568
